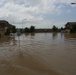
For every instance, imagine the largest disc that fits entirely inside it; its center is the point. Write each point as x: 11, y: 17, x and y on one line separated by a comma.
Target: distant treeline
x: 32, y: 29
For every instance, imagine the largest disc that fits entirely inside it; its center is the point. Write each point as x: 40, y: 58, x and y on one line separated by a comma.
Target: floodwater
x: 38, y: 54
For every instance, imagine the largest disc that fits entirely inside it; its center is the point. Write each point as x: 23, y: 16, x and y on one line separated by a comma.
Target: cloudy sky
x: 40, y: 13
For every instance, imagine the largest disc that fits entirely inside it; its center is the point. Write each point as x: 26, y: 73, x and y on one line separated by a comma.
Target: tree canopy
x: 31, y: 29
x: 54, y: 28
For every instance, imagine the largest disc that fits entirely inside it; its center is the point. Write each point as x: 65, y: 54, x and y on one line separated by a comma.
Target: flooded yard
x: 38, y: 54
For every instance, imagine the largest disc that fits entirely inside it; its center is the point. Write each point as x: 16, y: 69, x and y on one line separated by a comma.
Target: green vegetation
x: 13, y: 29
x: 31, y: 29
x: 26, y: 30
x: 10, y: 30
x: 7, y: 31
x: 54, y: 29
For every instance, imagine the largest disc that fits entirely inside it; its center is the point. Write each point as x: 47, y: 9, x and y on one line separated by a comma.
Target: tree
x: 54, y: 28
x: 62, y: 28
x: 32, y: 28
x: 26, y: 30
x: 7, y: 31
x: 13, y: 29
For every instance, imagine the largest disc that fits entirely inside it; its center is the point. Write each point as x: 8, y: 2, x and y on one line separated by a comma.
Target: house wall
x: 2, y: 32
x: 67, y: 30
x: 70, y: 27
x: 3, y: 27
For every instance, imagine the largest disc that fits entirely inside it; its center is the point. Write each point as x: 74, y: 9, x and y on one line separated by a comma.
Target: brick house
x: 3, y: 27
x: 70, y: 27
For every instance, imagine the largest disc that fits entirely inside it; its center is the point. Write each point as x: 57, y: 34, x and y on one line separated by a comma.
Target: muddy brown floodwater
x: 38, y: 54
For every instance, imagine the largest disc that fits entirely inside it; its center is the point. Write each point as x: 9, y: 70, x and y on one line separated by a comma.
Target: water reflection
x: 26, y: 34
x: 70, y: 35
x: 62, y: 35
x: 14, y: 42
x: 54, y: 35
x: 32, y: 35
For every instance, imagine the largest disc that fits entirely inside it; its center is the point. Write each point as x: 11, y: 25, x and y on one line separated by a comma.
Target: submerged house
x: 70, y: 27
x: 3, y: 27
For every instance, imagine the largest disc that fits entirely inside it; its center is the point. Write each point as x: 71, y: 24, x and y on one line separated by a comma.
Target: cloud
x: 16, y: 10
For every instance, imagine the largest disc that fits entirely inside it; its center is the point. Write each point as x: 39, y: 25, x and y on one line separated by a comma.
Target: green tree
x: 13, y: 29
x: 7, y: 31
x: 54, y: 28
x: 26, y: 30
x: 62, y: 28
x: 32, y: 28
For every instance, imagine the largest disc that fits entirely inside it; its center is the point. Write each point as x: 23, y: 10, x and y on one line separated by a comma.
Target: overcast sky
x: 40, y: 13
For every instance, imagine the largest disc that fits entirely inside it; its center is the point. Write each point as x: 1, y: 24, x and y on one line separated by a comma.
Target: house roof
x: 4, y: 23
x: 71, y: 23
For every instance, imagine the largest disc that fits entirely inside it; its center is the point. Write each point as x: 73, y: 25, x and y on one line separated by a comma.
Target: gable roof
x: 71, y: 23
x: 4, y: 23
